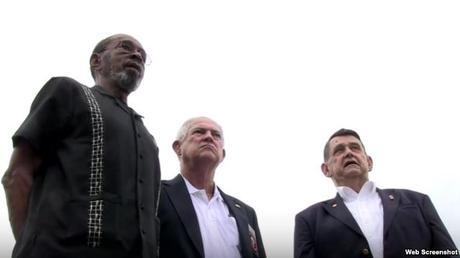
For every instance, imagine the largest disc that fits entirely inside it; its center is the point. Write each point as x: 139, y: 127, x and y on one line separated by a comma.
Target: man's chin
x: 128, y: 81
x: 352, y: 173
x: 130, y: 87
x: 209, y: 156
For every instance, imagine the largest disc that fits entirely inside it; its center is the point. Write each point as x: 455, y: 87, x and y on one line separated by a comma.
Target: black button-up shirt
x: 96, y: 192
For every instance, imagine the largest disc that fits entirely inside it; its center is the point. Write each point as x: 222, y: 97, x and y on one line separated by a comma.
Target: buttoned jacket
x: 328, y: 230
x: 180, y: 235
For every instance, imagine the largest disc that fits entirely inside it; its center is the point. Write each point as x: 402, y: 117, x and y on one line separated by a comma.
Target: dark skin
x: 17, y: 181
x: 123, y: 55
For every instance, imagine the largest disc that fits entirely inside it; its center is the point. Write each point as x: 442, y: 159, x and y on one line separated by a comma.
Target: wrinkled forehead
x: 344, y: 140
x: 124, y: 37
x: 205, y: 123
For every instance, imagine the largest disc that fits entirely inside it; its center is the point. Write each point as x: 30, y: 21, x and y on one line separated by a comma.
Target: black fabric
x: 59, y: 128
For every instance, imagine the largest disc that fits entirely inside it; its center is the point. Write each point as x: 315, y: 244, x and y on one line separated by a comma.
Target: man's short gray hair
x: 187, y: 124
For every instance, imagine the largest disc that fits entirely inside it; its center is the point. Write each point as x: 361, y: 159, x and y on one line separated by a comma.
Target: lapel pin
x: 237, y: 205
x: 334, y: 205
x: 391, y: 197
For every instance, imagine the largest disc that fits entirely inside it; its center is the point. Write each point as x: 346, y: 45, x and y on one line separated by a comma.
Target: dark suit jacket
x: 180, y: 235
x: 327, y: 229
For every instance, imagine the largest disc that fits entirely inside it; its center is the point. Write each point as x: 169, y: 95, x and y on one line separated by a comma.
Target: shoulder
x: 314, y: 209
x: 236, y: 202
x: 405, y: 195
x: 165, y: 184
x: 176, y: 180
x: 403, y: 192
x: 63, y: 82
x: 174, y: 188
x: 57, y: 92
x: 60, y: 86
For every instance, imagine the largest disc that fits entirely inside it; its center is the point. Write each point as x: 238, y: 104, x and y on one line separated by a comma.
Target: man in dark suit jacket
x: 197, y: 218
x: 364, y: 221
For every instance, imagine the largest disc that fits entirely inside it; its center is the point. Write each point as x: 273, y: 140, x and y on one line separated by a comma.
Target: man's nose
x: 208, y: 135
x: 137, y: 55
x: 348, y: 152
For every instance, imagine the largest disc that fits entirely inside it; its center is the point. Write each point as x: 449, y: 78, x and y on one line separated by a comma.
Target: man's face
x: 202, y: 142
x: 123, y: 62
x: 347, y: 160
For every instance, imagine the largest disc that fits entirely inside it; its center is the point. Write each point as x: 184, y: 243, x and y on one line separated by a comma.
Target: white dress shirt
x: 218, y: 228
x: 366, y: 208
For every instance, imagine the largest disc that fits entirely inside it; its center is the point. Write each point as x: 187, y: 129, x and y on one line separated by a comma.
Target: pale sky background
x: 279, y: 76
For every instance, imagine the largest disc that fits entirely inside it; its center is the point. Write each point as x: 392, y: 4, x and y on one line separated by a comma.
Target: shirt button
x: 141, y: 181
x: 143, y: 232
x: 138, y: 135
x: 141, y: 156
x: 365, y: 251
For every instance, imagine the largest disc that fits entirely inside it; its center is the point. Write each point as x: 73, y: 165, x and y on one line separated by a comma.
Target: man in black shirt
x: 83, y: 179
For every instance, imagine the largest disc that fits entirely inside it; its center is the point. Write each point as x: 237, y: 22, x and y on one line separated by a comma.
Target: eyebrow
x: 342, y: 145
x: 206, y: 129
x: 338, y: 146
x: 140, y: 48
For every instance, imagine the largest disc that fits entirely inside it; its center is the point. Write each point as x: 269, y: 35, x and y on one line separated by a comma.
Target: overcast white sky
x: 279, y: 76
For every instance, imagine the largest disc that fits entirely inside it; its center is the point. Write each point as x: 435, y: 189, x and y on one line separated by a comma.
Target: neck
x: 355, y: 184
x: 201, y: 177
x: 113, y: 89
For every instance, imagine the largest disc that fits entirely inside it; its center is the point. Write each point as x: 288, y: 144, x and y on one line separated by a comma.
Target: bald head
x: 102, y: 46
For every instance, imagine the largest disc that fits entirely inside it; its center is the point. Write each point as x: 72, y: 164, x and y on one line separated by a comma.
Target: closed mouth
x: 208, y: 146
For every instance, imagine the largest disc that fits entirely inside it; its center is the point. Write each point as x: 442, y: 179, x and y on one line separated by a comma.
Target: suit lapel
x: 241, y: 222
x: 336, y: 207
x: 180, y: 198
x: 390, y: 203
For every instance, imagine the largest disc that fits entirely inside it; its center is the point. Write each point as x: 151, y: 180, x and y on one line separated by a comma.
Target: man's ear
x: 325, y: 170
x: 370, y: 162
x: 95, y: 61
x: 223, y: 154
x: 176, y: 148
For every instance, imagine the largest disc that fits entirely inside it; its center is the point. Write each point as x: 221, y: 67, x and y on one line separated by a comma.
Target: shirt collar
x: 118, y: 102
x: 192, y: 190
x: 349, y: 195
